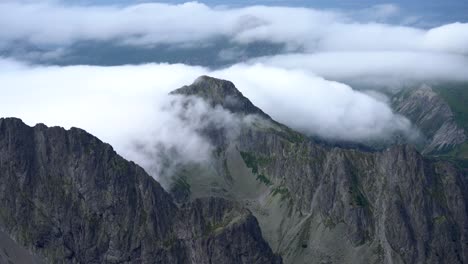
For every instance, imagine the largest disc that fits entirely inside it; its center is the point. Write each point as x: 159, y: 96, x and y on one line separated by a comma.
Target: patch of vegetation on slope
x: 357, y: 197
x: 460, y: 162
x: 253, y: 162
x: 180, y: 188
x: 282, y: 190
x: 456, y: 95
x: 288, y: 134
x: 460, y: 151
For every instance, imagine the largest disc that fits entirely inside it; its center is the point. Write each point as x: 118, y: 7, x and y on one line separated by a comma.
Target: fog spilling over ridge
x: 234, y: 131
x: 127, y: 105
x: 298, y: 64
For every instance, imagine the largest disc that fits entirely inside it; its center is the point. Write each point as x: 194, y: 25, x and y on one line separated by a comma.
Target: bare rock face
x: 66, y: 197
x: 429, y: 112
x: 318, y: 204
x: 222, y: 93
x: 392, y: 206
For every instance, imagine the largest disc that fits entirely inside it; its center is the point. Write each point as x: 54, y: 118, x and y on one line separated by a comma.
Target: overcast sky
x: 431, y: 12
x: 52, y: 23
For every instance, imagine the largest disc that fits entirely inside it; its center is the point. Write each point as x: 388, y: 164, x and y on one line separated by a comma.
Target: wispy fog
x: 193, y: 23
x: 300, y: 79
x: 128, y: 106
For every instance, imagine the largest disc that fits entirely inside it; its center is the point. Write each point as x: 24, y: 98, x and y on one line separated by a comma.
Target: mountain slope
x: 318, y: 204
x: 224, y: 94
x: 69, y: 198
x: 433, y: 116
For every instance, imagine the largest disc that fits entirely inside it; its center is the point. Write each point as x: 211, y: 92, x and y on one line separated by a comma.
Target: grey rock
x: 433, y: 116
x: 222, y: 93
x: 67, y: 197
x: 320, y: 204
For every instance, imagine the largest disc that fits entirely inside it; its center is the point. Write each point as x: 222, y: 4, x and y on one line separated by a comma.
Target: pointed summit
x: 220, y: 92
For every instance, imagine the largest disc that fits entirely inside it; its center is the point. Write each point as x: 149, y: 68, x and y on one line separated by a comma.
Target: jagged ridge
x: 69, y: 198
x: 222, y: 93
x: 429, y: 112
x: 318, y: 204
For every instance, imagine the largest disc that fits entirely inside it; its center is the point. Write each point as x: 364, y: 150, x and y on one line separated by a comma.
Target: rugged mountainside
x: 329, y: 205
x: 433, y: 116
x: 223, y: 93
x: 66, y: 197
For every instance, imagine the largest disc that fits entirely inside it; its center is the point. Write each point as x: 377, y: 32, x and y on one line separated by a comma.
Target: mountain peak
x: 220, y: 92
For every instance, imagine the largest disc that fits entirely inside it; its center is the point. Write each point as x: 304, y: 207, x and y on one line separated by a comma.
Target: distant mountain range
x: 218, y: 53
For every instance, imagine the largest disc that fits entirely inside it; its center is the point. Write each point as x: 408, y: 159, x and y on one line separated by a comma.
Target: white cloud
x: 121, y: 105
x: 316, y: 106
x: 173, y: 135
x: 390, y: 68
x: 127, y: 105
x: 338, y: 46
x: 451, y: 38
x: 152, y: 23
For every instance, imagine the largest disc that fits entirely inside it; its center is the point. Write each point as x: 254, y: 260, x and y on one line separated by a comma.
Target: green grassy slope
x: 456, y: 95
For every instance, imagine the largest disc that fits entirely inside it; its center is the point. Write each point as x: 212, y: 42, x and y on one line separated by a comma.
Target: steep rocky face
x: 69, y: 198
x: 66, y: 196
x: 391, y: 206
x: 328, y: 205
x: 222, y: 232
x: 433, y: 116
x: 224, y: 94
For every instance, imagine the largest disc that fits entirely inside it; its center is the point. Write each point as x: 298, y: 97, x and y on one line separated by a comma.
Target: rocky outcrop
x: 222, y: 232
x: 67, y: 197
x: 224, y: 94
x: 392, y: 206
x: 320, y: 204
x: 433, y: 116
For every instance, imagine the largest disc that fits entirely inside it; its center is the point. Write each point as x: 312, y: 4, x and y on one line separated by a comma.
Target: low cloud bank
x: 128, y: 106
x: 389, y: 68
x: 51, y: 23
x: 354, y: 46
x: 316, y: 106
x: 175, y: 136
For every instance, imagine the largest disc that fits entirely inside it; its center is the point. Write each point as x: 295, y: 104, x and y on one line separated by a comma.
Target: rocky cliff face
x: 328, y: 205
x: 66, y: 197
x: 433, y: 116
x: 224, y: 94
x: 392, y: 206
